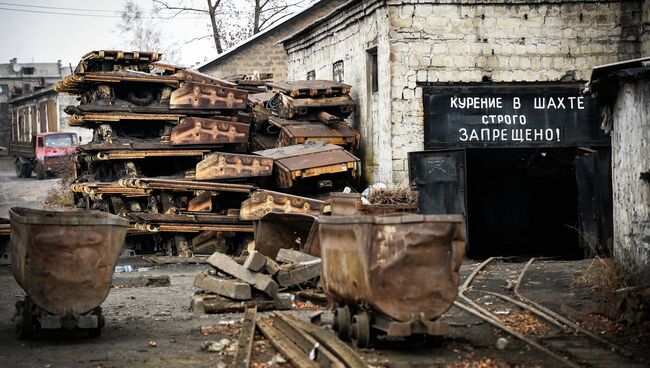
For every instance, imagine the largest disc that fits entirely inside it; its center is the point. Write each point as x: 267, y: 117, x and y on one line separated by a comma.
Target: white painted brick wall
x: 631, y: 156
x: 439, y: 43
x: 447, y: 42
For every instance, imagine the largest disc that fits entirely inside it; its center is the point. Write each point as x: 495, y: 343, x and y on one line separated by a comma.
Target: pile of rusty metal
x: 236, y: 283
x: 178, y: 152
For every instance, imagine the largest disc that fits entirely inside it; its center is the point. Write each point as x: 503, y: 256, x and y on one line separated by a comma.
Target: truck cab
x: 48, y: 151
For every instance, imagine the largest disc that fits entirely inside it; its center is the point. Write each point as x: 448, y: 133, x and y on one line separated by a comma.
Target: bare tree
x: 141, y: 34
x: 268, y: 12
x: 232, y: 21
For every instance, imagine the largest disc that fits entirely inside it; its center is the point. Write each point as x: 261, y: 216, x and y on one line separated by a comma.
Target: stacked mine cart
x: 194, y: 161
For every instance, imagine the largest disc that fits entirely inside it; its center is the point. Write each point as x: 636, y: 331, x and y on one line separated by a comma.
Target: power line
x: 58, y: 8
x: 89, y: 15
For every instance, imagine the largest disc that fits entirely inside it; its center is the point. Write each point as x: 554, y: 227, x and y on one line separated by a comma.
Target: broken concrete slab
x: 212, y: 304
x: 255, y: 261
x: 259, y: 281
x: 225, y: 287
x: 298, y: 275
x: 207, y: 305
x: 271, y: 267
x: 293, y: 256
x: 126, y: 280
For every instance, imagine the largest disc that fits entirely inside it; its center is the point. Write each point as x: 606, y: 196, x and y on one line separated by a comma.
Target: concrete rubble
x: 253, y: 280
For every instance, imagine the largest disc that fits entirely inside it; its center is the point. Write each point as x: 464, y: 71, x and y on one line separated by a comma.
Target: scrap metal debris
x: 177, y: 152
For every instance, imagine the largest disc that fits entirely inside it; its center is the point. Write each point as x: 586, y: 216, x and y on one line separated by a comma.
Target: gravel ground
x: 138, y: 316
x: 21, y: 192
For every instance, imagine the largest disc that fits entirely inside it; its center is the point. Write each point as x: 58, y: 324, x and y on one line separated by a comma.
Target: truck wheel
x: 27, y: 170
x: 19, y: 169
x: 40, y: 172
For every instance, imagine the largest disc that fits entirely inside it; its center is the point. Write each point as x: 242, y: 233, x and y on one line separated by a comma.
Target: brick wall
x: 264, y: 54
x: 630, y: 157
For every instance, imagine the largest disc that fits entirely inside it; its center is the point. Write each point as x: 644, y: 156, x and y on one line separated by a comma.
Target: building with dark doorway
x: 497, y: 89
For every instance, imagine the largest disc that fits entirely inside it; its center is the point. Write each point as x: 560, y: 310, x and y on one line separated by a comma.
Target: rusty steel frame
x: 183, y: 185
x: 264, y: 201
x: 290, y: 107
x: 309, y: 160
x: 207, y: 96
x: 222, y: 165
x: 95, y: 118
x: 309, y: 88
x: 128, y: 155
x: 194, y: 130
x: 341, y: 135
x: 142, y: 227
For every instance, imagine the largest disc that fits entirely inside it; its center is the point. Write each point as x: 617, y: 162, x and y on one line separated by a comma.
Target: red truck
x: 45, y: 152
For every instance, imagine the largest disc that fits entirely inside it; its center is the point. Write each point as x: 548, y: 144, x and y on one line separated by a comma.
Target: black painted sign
x: 522, y: 116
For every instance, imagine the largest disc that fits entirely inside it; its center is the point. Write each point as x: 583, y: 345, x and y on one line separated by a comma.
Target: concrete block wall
x: 452, y: 42
x: 264, y: 54
x: 630, y: 157
x: 262, y: 57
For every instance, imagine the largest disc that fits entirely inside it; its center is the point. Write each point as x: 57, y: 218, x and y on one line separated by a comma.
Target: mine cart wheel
x: 97, y: 331
x: 361, y: 330
x: 24, y: 320
x: 342, y: 321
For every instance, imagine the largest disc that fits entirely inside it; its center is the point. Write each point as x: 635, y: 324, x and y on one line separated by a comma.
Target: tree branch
x: 179, y: 8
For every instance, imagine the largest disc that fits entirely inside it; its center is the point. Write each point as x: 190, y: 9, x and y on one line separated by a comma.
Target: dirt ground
x: 21, y: 192
x: 138, y: 317
x: 135, y: 316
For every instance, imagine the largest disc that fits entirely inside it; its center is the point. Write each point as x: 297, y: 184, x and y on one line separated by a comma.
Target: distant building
x: 41, y: 111
x: 261, y: 53
x: 23, y: 78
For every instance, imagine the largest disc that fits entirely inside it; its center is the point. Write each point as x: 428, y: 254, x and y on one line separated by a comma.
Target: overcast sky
x: 32, y: 33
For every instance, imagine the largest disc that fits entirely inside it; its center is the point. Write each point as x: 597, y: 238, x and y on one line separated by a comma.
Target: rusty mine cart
x: 65, y: 262
x: 391, y: 275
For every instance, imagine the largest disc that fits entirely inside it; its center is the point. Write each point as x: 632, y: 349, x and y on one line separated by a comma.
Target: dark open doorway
x: 522, y: 202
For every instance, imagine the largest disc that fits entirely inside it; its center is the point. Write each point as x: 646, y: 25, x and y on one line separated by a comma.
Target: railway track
x: 560, y: 338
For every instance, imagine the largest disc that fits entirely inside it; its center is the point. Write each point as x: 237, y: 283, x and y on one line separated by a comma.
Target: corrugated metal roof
x: 607, y: 69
